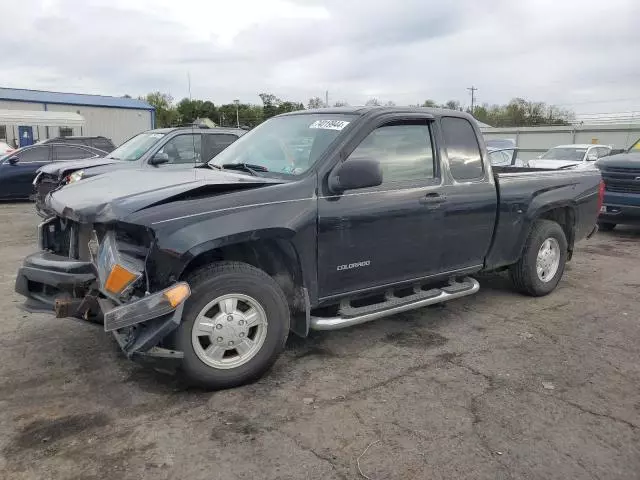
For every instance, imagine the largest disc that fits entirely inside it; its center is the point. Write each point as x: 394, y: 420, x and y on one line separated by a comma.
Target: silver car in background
x: 570, y: 156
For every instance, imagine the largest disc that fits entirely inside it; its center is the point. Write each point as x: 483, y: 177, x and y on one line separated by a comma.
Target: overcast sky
x: 582, y: 54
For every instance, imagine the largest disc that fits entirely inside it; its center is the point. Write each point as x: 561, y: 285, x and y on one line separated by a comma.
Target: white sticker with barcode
x: 329, y: 124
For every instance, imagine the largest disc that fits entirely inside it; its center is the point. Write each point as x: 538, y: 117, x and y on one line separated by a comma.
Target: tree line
x: 517, y: 113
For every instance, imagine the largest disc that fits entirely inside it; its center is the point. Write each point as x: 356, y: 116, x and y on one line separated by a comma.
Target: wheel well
x: 566, y: 218
x: 276, y: 257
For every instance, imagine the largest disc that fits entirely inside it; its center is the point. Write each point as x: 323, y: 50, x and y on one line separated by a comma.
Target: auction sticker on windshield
x: 329, y: 124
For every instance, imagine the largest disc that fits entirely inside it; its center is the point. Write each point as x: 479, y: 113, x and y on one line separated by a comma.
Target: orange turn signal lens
x: 177, y: 294
x: 119, y: 278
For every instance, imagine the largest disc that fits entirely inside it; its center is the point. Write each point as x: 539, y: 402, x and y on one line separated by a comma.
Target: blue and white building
x: 28, y: 116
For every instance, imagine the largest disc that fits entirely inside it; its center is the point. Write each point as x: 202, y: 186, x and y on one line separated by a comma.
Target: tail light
x: 600, y: 195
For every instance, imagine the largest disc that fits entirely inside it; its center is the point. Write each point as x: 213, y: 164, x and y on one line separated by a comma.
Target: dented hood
x: 114, y: 195
x: 57, y: 168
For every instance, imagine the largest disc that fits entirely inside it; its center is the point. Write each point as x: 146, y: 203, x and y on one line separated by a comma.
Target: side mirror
x: 159, y: 158
x: 13, y: 160
x: 592, y: 157
x: 355, y: 173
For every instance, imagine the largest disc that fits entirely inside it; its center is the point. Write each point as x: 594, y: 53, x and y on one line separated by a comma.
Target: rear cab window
x: 463, y: 150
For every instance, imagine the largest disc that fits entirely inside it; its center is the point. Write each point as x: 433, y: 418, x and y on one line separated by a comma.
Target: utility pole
x: 237, y: 102
x: 472, y: 89
x: 326, y: 98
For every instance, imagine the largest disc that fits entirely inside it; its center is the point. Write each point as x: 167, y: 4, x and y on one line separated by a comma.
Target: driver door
x: 390, y: 233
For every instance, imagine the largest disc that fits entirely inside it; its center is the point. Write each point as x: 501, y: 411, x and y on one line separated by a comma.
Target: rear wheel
x: 541, y: 266
x: 606, y: 226
x: 234, y: 326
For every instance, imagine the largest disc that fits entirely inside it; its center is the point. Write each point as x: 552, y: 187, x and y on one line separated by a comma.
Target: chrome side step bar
x: 456, y: 290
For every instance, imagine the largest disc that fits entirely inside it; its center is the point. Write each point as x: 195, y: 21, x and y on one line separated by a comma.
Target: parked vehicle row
x: 318, y: 220
x: 168, y: 148
x: 18, y: 168
x: 35, y: 170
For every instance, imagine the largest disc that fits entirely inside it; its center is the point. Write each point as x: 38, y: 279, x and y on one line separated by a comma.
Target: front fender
x: 292, y: 224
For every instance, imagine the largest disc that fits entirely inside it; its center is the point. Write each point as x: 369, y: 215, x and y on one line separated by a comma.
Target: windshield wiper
x: 247, y: 167
x: 568, y: 166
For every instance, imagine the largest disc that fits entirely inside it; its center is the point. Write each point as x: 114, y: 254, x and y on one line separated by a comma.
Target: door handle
x: 433, y: 199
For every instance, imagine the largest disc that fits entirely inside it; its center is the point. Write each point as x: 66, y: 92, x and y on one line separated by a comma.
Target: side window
x: 602, y: 152
x: 69, y: 152
x: 183, y: 149
x: 403, y: 150
x: 465, y: 161
x: 214, y: 143
x: 37, y: 154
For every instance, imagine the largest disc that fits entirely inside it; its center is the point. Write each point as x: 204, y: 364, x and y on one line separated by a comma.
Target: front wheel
x: 541, y: 266
x: 234, y: 326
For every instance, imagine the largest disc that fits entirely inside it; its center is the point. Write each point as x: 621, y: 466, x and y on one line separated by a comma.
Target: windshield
x: 287, y: 145
x: 135, y: 147
x: 635, y: 146
x: 563, y: 153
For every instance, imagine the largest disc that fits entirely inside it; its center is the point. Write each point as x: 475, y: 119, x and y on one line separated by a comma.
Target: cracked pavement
x: 492, y: 386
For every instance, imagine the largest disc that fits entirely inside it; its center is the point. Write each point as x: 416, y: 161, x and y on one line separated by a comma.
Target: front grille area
x: 66, y: 237
x: 622, y: 180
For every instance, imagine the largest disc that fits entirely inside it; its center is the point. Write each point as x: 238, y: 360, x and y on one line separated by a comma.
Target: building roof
x: 40, y: 96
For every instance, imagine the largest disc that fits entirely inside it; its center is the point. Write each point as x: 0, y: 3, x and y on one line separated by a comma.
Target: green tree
x: 452, y: 105
x: 341, y: 103
x: 315, y: 102
x: 522, y: 113
x: 166, y: 114
x: 270, y: 104
x: 429, y: 103
x: 286, y: 107
x: 373, y: 102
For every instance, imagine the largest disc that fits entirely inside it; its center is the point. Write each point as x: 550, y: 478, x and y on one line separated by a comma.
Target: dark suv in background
x: 162, y: 148
x: 18, y: 168
x: 102, y: 143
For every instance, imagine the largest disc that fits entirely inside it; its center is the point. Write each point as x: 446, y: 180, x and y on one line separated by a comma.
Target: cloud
x: 576, y: 53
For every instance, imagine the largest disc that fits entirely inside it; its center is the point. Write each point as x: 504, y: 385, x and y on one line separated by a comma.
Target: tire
x: 524, y: 274
x: 256, y: 289
x: 606, y: 227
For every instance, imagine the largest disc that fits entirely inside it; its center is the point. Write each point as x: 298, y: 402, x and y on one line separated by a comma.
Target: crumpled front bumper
x: 46, y: 278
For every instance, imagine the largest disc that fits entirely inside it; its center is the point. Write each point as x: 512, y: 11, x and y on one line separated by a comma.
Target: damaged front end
x: 101, y: 272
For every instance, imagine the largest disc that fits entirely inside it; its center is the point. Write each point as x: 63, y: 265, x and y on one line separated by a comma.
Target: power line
x: 473, y: 90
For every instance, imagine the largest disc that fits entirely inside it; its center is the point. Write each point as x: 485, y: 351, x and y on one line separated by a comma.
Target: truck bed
x: 526, y: 193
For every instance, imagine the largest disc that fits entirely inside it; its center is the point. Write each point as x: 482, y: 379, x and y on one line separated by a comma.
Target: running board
x: 354, y: 316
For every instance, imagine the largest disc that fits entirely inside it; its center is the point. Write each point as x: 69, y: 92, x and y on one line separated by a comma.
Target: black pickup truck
x: 314, y: 220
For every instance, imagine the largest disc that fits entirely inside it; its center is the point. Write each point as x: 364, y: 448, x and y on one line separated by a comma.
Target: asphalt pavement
x: 492, y: 386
